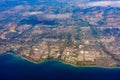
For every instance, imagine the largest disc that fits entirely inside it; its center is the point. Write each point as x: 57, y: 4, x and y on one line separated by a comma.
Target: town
x: 74, y: 35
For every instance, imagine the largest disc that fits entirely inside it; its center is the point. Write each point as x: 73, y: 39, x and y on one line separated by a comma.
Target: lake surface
x: 15, y: 68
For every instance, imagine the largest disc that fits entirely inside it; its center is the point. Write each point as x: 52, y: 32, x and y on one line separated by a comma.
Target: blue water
x: 15, y: 68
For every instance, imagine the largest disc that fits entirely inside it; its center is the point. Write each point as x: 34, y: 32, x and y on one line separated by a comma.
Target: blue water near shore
x: 15, y: 68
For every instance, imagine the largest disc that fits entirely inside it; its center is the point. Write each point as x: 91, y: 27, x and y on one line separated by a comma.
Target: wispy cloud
x: 32, y: 13
x: 101, y: 4
x: 58, y: 16
x: 49, y: 16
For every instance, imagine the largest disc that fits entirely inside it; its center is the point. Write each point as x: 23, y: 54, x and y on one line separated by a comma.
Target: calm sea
x: 15, y: 68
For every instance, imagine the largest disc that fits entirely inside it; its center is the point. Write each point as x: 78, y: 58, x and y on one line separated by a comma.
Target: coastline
x: 63, y: 62
x: 52, y: 68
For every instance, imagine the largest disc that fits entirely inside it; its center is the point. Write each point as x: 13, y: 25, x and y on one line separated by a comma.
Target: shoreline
x: 63, y: 62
